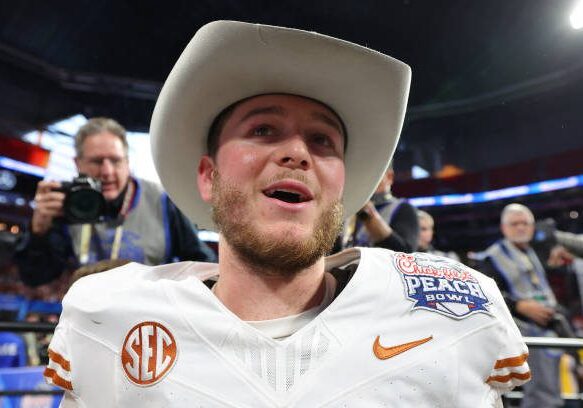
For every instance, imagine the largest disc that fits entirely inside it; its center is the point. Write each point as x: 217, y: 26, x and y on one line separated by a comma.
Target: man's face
x: 277, y: 180
x: 518, y: 227
x: 425, y: 232
x: 104, y: 158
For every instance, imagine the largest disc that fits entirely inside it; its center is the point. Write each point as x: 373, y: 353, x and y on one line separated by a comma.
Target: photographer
x: 384, y: 222
x: 135, y: 219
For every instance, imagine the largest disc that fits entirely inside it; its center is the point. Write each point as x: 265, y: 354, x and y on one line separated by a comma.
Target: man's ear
x: 77, y: 161
x: 206, y: 166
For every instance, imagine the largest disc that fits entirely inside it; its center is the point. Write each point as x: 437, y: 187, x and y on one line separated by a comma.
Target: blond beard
x: 281, y: 256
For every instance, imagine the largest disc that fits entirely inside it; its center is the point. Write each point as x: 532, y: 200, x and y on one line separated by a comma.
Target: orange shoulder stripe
x: 511, y: 361
x: 507, y: 378
x: 60, y: 360
x: 57, y: 379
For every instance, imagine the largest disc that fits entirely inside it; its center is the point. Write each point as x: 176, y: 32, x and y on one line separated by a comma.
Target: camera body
x: 84, y: 202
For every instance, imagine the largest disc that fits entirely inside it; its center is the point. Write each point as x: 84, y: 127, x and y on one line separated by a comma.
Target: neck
x: 253, y: 295
x: 113, y: 207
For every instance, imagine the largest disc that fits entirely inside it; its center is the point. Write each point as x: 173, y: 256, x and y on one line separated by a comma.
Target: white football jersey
x: 407, y: 330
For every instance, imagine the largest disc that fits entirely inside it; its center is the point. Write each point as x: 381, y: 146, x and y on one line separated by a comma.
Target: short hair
x: 98, y: 125
x: 98, y: 267
x: 212, y: 141
x: 425, y: 215
x: 515, y: 208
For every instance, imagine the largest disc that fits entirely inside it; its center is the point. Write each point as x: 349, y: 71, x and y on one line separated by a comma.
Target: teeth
x: 270, y: 193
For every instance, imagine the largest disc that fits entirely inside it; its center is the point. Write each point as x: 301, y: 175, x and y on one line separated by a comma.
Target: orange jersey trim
x: 57, y: 379
x: 511, y: 361
x: 509, y: 377
x: 60, y: 360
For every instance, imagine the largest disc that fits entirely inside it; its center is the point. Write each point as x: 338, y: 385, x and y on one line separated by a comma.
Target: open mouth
x: 286, y: 195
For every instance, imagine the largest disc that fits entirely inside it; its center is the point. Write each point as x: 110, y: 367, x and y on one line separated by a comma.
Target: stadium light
x: 576, y: 17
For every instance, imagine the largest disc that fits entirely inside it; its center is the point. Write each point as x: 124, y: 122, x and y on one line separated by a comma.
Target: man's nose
x: 294, y: 153
x: 106, y: 167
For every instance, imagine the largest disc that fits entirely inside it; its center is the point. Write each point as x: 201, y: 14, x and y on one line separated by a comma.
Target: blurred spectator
x: 426, y: 230
x: 38, y: 342
x: 32, y: 340
x: 547, y: 234
x: 562, y: 252
x: 139, y: 221
x: 385, y: 221
x: 522, y: 279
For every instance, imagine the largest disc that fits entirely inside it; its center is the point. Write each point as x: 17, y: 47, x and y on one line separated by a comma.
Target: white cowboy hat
x: 227, y: 61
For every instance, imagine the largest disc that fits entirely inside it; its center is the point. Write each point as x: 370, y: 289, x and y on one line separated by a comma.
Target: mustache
x: 282, y: 175
x: 289, y: 175
x: 296, y: 175
x: 286, y: 174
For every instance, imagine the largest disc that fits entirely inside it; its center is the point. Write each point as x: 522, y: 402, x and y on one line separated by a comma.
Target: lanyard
x: 87, y: 229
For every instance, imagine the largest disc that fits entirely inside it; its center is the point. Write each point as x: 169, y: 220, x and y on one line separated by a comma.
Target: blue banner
x: 26, y: 378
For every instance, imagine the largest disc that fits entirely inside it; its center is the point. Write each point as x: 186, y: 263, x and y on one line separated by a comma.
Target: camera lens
x: 85, y: 205
x: 83, y: 200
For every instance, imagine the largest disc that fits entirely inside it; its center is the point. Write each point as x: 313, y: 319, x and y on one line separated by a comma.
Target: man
x: 141, y: 224
x: 521, y: 276
x: 426, y: 231
x: 384, y: 222
x: 284, y: 128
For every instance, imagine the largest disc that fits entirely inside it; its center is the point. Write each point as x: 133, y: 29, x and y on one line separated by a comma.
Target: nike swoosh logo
x: 384, y: 353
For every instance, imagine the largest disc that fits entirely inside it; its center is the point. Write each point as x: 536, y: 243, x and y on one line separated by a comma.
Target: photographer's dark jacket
x: 154, y: 232
x: 401, y: 217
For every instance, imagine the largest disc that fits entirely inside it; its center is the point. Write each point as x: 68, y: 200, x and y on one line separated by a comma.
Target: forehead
x: 518, y: 216
x: 103, y: 142
x: 288, y: 104
x: 425, y: 222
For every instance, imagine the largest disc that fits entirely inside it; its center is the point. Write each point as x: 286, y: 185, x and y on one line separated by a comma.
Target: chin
x: 110, y: 195
x: 522, y: 240
x: 288, y: 230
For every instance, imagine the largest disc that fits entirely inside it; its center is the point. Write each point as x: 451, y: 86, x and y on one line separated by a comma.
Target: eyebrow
x: 278, y: 110
x: 329, y: 121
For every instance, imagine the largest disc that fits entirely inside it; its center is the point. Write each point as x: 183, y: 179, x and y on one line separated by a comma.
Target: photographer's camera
x: 84, y: 202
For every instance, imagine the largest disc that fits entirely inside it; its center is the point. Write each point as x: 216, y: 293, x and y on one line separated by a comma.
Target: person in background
x: 384, y: 222
x: 140, y: 223
x: 426, y: 230
x: 521, y: 277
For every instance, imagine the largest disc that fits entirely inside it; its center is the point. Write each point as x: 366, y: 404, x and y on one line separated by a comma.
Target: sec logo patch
x: 148, y: 353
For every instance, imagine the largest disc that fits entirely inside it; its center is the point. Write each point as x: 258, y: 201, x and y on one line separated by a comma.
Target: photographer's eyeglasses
x: 97, y: 162
x: 520, y: 223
